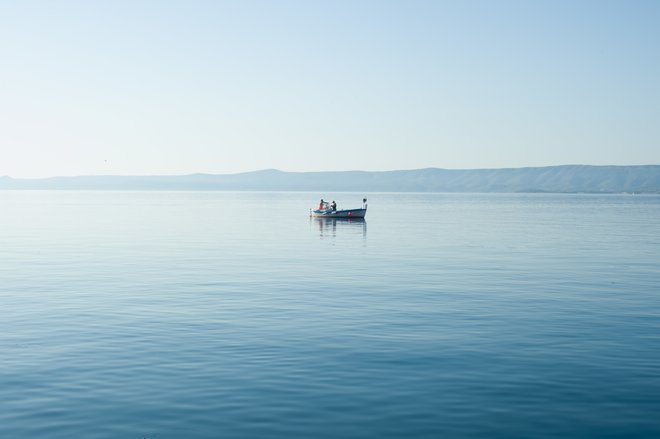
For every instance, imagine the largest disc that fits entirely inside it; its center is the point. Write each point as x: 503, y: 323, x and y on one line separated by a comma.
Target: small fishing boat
x: 325, y: 211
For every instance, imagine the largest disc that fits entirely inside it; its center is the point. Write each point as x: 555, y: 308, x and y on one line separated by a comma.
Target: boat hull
x: 348, y: 213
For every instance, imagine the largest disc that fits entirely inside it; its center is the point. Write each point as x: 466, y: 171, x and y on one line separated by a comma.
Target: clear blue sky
x: 176, y: 87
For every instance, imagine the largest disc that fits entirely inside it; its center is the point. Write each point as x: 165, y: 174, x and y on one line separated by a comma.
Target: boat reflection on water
x: 332, y: 227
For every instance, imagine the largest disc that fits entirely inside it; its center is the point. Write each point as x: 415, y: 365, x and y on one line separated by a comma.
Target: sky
x: 177, y: 87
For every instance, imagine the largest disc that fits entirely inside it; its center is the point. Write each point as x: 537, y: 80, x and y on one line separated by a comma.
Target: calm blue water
x: 233, y: 315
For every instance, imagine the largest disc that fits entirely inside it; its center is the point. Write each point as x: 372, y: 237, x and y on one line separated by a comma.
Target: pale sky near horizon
x: 177, y: 87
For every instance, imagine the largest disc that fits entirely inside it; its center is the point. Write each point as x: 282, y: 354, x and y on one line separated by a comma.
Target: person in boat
x: 334, y: 206
x: 322, y: 204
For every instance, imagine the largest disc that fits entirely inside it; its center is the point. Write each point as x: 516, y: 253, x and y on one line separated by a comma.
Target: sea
x: 235, y: 315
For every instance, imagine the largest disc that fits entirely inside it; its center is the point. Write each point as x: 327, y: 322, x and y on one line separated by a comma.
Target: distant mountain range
x: 556, y: 179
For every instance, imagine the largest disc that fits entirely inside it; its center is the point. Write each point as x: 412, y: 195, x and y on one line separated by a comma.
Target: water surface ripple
x: 234, y: 315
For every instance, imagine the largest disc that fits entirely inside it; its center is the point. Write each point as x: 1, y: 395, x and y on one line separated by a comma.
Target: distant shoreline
x: 568, y: 179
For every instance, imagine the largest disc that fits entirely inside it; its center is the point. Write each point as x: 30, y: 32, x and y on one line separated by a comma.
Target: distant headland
x: 552, y: 179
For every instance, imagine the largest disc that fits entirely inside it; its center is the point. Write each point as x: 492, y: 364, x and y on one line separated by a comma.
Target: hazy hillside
x: 565, y: 179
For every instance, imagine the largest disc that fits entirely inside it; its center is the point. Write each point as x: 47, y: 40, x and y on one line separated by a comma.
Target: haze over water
x: 220, y: 314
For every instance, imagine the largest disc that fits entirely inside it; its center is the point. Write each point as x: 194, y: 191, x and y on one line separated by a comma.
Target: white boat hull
x: 348, y: 213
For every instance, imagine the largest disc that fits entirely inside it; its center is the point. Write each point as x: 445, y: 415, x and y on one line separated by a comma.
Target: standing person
x: 321, y: 204
x: 334, y: 206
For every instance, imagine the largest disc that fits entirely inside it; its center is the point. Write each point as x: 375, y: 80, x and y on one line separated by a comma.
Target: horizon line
x: 321, y: 172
